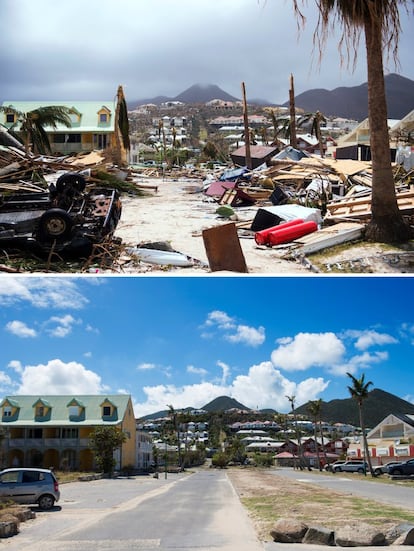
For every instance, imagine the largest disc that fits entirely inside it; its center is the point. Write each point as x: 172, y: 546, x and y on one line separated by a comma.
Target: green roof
x: 89, y: 121
x: 59, y: 414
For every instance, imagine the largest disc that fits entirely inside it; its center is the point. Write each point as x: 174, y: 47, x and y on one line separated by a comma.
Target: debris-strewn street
x: 295, y: 216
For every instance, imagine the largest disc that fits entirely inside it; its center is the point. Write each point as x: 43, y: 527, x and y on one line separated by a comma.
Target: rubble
x: 336, y: 192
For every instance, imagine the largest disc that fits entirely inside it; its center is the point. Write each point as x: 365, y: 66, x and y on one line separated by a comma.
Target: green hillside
x: 377, y: 406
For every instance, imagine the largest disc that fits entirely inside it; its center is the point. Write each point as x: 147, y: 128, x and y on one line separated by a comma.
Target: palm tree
x: 295, y: 421
x: 315, y: 120
x: 359, y: 391
x: 314, y: 408
x: 30, y: 126
x: 379, y: 20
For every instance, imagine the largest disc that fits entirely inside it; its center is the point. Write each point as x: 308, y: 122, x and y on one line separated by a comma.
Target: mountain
x: 352, y: 102
x: 198, y: 93
x: 202, y: 93
x: 376, y: 407
x: 223, y: 403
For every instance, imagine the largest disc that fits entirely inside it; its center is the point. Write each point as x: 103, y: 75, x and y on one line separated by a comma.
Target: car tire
x: 337, y: 470
x: 397, y: 472
x: 46, y: 502
x: 54, y: 224
x: 75, y: 182
x: 360, y: 470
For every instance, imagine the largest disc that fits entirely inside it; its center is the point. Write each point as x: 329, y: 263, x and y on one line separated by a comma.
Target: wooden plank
x: 329, y: 237
x: 223, y: 249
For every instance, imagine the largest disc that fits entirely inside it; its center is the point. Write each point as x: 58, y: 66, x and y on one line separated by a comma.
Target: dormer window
x: 42, y: 410
x: 7, y: 411
x: 76, y: 410
x: 10, y: 118
x: 109, y: 410
x: 104, y: 116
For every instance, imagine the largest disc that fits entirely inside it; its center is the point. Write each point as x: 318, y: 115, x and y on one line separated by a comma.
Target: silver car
x: 28, y: 486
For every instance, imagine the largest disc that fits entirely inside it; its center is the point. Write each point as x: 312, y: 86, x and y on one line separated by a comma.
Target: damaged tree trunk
x: 246, y: 130
x: 293, y: 139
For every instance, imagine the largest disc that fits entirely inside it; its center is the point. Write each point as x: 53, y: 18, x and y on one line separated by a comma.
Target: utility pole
x: 246, y: 129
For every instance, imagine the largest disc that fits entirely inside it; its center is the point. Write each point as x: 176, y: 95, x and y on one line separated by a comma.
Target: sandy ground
x: 177, y: 214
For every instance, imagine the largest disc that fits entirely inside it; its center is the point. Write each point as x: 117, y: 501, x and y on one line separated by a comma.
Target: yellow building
x: 46, y: 431
x: 95, y: 125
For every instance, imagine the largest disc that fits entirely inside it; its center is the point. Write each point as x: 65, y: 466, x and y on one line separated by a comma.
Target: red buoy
x: 262, y: 237
x: 284, y: 235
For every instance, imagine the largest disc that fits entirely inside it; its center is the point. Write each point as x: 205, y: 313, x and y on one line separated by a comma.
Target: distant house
x: 93, y: 124
x: 44, y: 431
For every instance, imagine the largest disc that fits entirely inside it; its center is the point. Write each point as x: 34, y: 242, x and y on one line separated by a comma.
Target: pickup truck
x: 403, y: 468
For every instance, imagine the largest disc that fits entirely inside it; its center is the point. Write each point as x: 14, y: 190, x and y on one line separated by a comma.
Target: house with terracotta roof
x: 45, y: 431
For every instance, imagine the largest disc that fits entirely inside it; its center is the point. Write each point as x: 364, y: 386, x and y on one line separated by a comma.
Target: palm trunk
x: 293, y: 139
x: 387, y: 224
x: 364, y: 439
x: 246, y: 129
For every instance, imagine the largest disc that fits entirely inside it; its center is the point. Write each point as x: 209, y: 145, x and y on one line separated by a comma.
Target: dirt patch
x: 269, y: 497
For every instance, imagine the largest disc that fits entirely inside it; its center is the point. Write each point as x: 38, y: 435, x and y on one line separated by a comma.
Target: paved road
x: 186, y: 512
x: 395, y: 494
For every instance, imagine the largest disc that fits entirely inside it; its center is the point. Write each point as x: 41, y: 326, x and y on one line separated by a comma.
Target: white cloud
x: 46, y: 292
x: 59, y: 377
x: 233, y: 332
x: 358, y: 362
x: 221, y: 319
x: 146, y: 366
x: 248, y: 335
x: 307, y: 350
x: 20, y: 329
x: 225, y: 372
x: 63, y: 325
x: 196, y: 370
x: 263, y: 387
x: 366, y: 339
x: 16, y: 366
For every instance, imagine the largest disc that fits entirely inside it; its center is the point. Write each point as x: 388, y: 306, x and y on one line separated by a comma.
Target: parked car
x: 352, y: 466
x: 65, y: 218
x: 331, y: 466
x: 403, y: 468
x: 29, y: 486
x: 383, y: 469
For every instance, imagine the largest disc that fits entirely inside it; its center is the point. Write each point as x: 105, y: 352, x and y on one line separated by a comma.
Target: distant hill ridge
x: 377, y: 406
x: 347, y: 102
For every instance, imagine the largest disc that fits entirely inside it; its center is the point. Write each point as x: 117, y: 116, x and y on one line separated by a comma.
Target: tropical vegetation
x: 379, y: 22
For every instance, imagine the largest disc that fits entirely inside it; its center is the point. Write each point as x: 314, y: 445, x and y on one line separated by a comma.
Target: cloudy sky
x: 185, y: 341
x: 85, y: 49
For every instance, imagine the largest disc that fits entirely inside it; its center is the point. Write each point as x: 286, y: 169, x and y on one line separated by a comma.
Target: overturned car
x: 67, y: 218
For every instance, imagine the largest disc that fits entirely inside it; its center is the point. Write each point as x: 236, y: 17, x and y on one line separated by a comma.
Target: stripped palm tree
x: 359, y: 391
x: 379, y: 22
x: 315, y: 121
x: 176, y: 426
x: 30, y: 126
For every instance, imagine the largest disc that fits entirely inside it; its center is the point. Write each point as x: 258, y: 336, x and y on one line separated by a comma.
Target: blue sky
x: 185, y: 341
x: 162, y: 47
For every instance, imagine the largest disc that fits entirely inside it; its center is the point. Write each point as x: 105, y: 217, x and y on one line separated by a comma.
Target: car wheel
x: 360, y: 470
x: 54, y: 224
x: 46, y: 502
x: 75, y: 182
x: 398, y: 472
x: 337, y: 469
